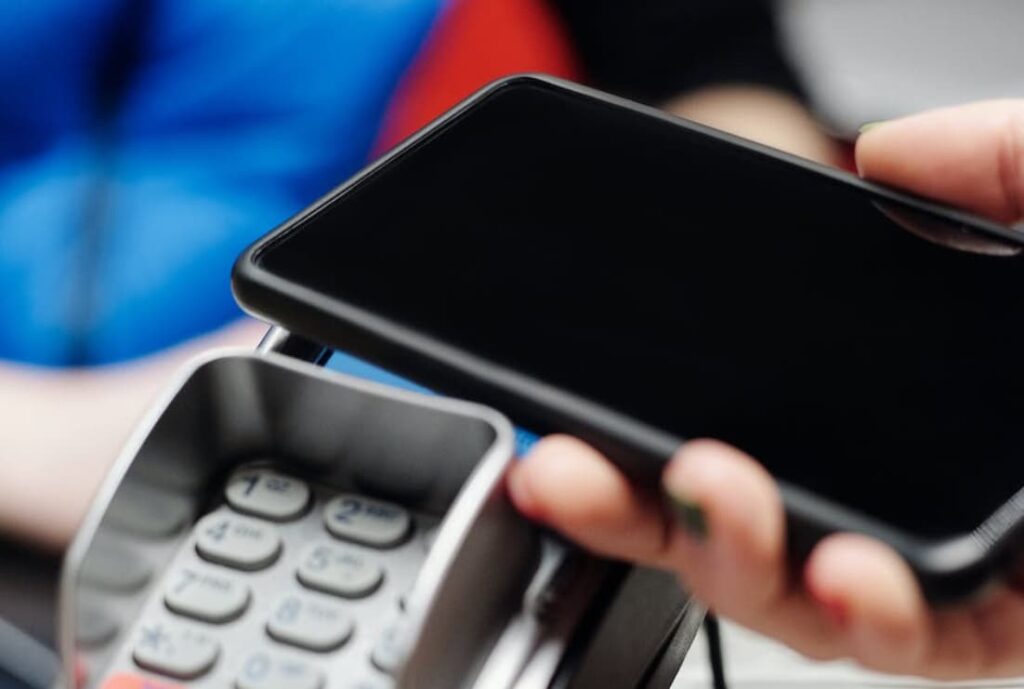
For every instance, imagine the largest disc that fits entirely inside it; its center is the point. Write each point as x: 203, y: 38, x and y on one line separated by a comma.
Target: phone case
x: 948, y: 570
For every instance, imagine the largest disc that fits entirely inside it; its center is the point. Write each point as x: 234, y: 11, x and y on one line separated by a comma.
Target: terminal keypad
x: 297, y: 572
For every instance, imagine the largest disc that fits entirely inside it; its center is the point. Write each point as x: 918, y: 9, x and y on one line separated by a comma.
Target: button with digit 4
x: 177, y: 651
x: 363, y: 520
x: 238, y: 542
x: 267, y: 494
x: 308, y: 622
x: 206, y: 595
x: 263, y: 670
x: 340, y: 570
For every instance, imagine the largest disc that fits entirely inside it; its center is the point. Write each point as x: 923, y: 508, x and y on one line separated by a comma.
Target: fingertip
x: 520, y: 492
x: 969, y: 156
x: 534, y: 478
x: 740, y: 564
x: 870, y: 595
x: 566, y: 482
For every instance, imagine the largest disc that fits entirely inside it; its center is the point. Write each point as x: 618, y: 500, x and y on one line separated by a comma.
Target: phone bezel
x: 948, y: 569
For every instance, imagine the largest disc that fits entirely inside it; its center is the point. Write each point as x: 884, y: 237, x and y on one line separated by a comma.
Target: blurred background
x: 145, y: 143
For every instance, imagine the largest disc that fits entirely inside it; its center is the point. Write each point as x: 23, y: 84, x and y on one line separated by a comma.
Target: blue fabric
x: 119, y: 224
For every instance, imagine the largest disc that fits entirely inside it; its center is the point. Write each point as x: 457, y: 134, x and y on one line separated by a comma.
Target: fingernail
x: 690, y: 515
x: 868, y: 126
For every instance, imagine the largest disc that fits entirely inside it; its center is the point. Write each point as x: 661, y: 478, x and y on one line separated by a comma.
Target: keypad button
x: 112, y: 566
x: 371, y: 522
x: 124, y: 680
x: 94, y: 626
x: 267, y: 494
x: 177, y: 651
x: 206, y: 595
x: 235, y: 541
x: 147, y: 511
x: 339, y: 570
x: 391, y: 648
x: 311, y: 623
x: 262, y: 670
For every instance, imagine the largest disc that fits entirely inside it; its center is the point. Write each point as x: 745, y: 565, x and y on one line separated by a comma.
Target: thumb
x: 971, y: 156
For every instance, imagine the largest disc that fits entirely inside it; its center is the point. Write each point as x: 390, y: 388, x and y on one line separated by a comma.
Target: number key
x: 176, y: 651
x: 340, y: 570
x: 206, y: 595
x: 370, y: 522
x: 267, y: 494
x: 262, y: 670
x: 310, y: 623
x: 239, y: 542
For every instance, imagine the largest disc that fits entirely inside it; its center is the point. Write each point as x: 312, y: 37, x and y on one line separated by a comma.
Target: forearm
x: 60, y: 430
x: 763, y: 114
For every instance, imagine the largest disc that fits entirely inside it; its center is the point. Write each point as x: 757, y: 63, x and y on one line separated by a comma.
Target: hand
x: 855, y: 597
x: 761, y: 114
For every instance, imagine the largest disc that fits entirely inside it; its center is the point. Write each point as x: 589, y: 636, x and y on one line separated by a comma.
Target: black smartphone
x: 592, y: 266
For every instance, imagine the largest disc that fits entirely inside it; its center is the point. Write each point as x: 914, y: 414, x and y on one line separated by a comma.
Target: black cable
x: 715, y: 651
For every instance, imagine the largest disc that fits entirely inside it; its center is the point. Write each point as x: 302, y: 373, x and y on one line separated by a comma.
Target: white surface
x: 238, y: 542
x: 755, y: 662
x: 362, y: 520
x: 178, y: 651
x: 868, y: 60
x: 267, y: 494
x: 309, y: 622
x: 263, y: 670
x: 339, y: 570
x: 205, y: 594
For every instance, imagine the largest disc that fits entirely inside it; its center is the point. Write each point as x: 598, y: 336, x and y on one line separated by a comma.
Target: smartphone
x: 592, y: 266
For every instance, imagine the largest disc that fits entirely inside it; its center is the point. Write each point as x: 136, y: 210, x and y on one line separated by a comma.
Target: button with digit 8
x: 313, y: 623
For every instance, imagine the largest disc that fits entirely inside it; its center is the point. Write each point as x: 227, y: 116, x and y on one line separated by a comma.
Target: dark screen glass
x: 699, y: 287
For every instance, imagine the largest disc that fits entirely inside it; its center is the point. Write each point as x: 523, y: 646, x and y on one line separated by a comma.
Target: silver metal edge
x: 470, y: 501
x: 462, y: 513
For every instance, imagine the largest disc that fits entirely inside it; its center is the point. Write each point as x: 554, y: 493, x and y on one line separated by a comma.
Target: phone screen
x: 702, y: 288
